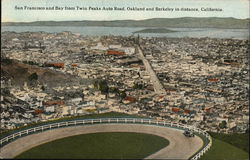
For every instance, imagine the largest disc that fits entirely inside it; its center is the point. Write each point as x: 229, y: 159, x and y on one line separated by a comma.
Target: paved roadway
x: 180, y: 147
x: 159, y: 89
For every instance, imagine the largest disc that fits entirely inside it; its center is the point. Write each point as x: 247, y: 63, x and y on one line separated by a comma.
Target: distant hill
x: 185, y: 22
x: 155, y: 30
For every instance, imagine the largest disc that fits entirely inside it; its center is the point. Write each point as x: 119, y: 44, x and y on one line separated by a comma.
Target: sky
x: 230, y: 8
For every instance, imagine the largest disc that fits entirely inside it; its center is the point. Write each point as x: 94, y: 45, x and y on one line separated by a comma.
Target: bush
x: 33, y: 77
x: 102, y: 85
x: 6, y: 61
x: 30, y: 62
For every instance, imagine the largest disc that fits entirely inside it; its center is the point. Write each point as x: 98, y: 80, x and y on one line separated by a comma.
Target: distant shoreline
x: 116, y: 27
x: 185, y: 22
x: 129, y: 31
x: 155, y: 30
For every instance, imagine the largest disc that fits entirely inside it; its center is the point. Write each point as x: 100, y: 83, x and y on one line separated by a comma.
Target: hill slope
x: 221, y: 150
x: 20, y: 73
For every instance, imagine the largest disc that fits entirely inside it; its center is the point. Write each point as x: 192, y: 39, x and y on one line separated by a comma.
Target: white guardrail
x: 69, y: 123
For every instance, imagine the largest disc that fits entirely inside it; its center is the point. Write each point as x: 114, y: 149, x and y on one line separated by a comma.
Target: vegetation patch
x: 223, y: 151
x: 110, y: 145
x: 238, y: 140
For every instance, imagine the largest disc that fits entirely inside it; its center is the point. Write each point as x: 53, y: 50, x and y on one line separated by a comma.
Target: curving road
x: 180, y: 147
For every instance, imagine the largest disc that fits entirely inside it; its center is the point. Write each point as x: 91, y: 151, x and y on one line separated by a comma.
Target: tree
x: 102, y: 85
x: 114, y: 90
x: 96, y: 84
x: 6, y: 61
x: 138, y: 86
x: 223, y: 124
x: 123, y: 94
x: 43, y: 88
x: 33, y: 77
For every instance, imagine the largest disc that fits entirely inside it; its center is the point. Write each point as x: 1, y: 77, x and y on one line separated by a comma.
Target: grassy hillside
x: 111, y: 145
x: 223, y: 151
x: 238, y: 140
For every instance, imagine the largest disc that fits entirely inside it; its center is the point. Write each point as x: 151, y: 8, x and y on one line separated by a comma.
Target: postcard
x: 125, y: 79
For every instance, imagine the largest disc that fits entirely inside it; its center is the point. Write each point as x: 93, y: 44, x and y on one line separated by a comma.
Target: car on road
x: 188, y: 133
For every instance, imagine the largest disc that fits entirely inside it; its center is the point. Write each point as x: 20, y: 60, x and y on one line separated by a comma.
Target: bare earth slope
x: 20, y: 72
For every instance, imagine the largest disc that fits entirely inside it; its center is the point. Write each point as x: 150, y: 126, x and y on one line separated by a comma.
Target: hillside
x: 20, y: 73
x: 238, y: 140
x: 185, y: 22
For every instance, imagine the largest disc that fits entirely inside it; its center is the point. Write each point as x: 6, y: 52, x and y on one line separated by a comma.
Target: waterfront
x: 128, y: 31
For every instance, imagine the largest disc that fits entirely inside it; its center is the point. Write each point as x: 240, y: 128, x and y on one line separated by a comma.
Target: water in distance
x: 127, y: 31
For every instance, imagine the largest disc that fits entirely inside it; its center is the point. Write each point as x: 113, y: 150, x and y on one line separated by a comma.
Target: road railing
x: 25, y: 132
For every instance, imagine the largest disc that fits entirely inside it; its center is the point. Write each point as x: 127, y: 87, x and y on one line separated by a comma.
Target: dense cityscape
x: 203, y: 82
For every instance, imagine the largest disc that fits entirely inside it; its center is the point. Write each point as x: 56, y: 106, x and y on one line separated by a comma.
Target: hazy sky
x: 231, y: 8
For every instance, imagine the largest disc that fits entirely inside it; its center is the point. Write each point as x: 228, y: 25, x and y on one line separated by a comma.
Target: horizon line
x: 115, y: 20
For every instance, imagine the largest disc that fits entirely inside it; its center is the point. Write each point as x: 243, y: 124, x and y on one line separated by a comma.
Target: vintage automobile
x: 188, y: 133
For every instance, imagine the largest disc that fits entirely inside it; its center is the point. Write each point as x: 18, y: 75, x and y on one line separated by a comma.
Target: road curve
x: 180, y: 147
